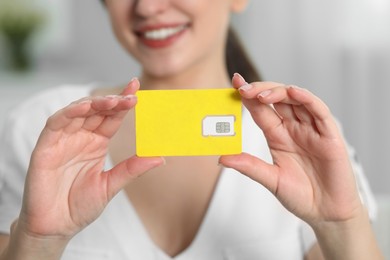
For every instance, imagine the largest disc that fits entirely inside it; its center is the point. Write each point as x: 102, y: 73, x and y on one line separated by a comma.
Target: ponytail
x: 237, y: 59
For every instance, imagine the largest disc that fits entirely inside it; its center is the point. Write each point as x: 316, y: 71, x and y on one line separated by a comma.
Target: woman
x: 183, y: 207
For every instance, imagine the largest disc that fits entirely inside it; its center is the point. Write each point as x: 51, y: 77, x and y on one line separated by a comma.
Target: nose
x: 147, y: 8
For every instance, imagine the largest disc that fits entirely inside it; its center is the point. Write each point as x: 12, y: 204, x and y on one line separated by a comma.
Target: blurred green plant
x: 19, y: 20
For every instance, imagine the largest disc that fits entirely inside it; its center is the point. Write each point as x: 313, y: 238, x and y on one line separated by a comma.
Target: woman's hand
x: 66, y: 187
x: 311, y: 173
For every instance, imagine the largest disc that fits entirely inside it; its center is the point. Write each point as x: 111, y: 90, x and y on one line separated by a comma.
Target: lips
x: 160, y: 36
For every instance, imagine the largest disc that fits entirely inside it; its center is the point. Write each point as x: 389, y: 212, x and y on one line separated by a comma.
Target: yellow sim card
x: 188, y: 122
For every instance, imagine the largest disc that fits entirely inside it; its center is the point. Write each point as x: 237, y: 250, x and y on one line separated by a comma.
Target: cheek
x: 211, y: 17
x: 213, y: 26
x: 120, y: 12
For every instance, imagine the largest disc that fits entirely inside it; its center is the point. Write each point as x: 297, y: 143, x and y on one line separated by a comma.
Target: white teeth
x: 163, y: 33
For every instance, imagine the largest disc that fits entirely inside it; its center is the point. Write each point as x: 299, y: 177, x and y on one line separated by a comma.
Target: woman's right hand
x: 66, y: 187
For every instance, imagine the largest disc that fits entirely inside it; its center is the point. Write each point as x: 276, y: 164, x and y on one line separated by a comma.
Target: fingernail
x: 100, y: 97
x: 265, y: 93
x: 85, y: 101
x: 132, y: 80
x: 130, y: 97
x: 164, y: 162
x: 295, y: 87
x: 112, y: 96
x: 245, y: 87
x: 241, y: 77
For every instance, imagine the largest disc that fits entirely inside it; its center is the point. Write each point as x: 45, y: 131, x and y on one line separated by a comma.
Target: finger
x: 319, y: 112
x: 266, y: 92
x: 99, y: 111
x: 263, y: 114
x: 251, y: 90
x: 303, y: 115
x: 278, y: 94
x: 111, y: 104
x: 312, y: 103
x: 306, y: 108
x: 132, y: 87
x: 88, y: 113
x: 254, y: 168
x: 65, y: 116
x: 110, y: 108
x: 238, y: 81
x: 286, y: 106
x: 128, y: 170
x: 286, y: 112
x: 107, y: 122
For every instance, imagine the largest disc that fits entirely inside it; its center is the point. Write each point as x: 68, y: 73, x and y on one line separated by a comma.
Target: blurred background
x: 339, y: 49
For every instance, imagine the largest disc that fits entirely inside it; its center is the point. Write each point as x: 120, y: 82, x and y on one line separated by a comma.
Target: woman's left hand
x: 311, y: 174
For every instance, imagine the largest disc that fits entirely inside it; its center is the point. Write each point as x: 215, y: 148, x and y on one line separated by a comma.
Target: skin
x: 69, y: 158
x: 311, y: 174
x: 201, y: 47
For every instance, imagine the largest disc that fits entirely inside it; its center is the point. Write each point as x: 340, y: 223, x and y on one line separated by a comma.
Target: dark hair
x: 237, y: 59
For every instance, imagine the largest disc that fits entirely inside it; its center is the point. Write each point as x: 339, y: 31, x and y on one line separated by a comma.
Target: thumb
x: 251, y: 166
x: 129, y: 170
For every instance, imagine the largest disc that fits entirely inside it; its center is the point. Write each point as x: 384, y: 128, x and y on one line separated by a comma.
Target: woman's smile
x: 161, y: 35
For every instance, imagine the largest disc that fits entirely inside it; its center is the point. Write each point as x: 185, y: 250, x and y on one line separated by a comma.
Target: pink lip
x: 154, y: 43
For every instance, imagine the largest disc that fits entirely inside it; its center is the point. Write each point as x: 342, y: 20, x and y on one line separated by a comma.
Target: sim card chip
x: 218, y: 126
x: 222, y: 127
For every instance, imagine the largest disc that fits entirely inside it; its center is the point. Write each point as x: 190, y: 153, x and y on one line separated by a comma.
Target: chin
x: 164, y: 71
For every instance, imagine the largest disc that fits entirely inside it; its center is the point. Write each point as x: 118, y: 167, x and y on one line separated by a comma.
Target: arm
x: 314, y: 253
x: 22, y: 246
x: 351, y: 239
x: 311, y: 174
x: 4, y: 239
x: 66, y: 187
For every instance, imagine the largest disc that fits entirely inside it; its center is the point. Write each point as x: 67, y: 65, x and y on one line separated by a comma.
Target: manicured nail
x: 265, y: 93
x: 85, y: 101
x: 241, y: 77
x: 132, y: 80
x: 100, y: 97
x: 130, y: 97
x: 112, y: 96
x: 245, y: 87
x: 164, y: 161
x: 219, y: 163
x: 295, y: 87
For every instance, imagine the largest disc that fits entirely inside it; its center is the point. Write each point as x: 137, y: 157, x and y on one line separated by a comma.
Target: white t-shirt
x: 244, y: 221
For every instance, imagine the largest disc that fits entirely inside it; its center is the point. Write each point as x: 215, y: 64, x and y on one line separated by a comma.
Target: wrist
x: 24, y: 245
x: 349, y: 239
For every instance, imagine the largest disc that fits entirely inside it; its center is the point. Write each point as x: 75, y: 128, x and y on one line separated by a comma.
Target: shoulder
x: 23, y: 124
x: 19, y: 132
x: 51, y: 100
x: 34, y: 111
